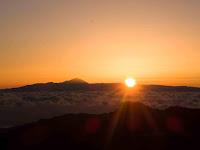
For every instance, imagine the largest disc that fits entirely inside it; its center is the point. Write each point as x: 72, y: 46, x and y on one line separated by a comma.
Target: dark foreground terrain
x: 132, y: 126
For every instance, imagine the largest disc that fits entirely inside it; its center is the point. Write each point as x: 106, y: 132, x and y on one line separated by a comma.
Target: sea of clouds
x: 22, y: 107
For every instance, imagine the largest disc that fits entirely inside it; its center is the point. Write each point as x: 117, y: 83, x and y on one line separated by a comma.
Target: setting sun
x: 130, y: 82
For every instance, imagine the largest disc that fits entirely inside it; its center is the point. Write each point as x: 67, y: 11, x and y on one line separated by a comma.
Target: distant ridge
x: 77, y: 84
x: 75, y: 81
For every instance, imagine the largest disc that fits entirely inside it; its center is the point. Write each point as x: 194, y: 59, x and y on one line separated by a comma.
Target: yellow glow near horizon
x: 130, y: 82
x: 156, y: 41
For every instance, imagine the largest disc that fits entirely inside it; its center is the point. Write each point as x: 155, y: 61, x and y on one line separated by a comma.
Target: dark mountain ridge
x: 81, y: 85
x: 75, y: 81
x: 132, y: 126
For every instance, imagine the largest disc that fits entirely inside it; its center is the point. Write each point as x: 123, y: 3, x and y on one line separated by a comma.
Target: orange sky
x: 154, y: 41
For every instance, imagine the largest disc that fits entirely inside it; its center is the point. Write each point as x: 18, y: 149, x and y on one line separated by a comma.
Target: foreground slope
x: 132, y: 126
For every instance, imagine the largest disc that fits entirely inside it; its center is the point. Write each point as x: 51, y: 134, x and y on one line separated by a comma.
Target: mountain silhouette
x: 75, y: 84
x: 81, y: 85
x: 75, y: 81
x: 133, y: 126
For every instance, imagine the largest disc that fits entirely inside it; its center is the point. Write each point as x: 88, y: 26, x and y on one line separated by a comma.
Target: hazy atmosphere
x: 99, y: 74
x: 153, y: 41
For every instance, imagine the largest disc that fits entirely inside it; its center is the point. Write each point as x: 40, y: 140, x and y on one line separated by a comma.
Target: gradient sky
x: 154, y: 41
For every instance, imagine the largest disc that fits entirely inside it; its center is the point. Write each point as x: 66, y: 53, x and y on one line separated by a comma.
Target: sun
x: 130, y: 82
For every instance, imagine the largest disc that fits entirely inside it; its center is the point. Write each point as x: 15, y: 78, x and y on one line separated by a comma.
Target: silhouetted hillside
x: 81, y: 85
x: 132, y: 126
x: 71, y: 85
x: 75, y: 81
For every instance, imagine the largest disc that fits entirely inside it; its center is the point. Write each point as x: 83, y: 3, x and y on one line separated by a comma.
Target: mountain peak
x: 76, y: 81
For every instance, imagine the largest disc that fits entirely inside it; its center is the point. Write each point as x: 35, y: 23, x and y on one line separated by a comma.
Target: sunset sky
x: 153, y: 41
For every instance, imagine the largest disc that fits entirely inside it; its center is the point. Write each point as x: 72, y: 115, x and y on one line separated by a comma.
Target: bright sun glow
x: 130, y: 82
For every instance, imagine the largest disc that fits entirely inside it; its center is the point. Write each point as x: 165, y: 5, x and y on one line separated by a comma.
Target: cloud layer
x: 22, y: 107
